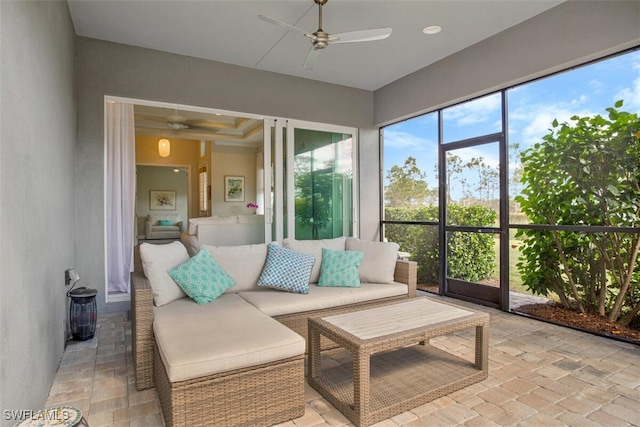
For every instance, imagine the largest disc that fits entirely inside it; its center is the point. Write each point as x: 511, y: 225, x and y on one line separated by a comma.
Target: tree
x: 586, y: 172
x: 407, y: 186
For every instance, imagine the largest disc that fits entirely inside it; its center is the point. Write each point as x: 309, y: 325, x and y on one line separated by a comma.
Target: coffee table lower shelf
x: 400, y: 380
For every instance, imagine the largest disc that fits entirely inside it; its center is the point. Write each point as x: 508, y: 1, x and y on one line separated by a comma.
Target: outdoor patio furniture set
x: 239, y: 359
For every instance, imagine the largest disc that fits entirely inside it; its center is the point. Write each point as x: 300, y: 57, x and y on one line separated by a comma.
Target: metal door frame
x: 477, y: 293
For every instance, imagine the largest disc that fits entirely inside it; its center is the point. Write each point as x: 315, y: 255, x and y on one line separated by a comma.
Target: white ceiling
x: 230, y: 31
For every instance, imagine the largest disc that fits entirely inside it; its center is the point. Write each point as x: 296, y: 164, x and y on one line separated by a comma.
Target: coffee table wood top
x: 398, y: 318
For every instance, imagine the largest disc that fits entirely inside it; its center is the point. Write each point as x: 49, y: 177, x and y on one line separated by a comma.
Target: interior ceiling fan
x: 321, y: 39
x: 176, y: 121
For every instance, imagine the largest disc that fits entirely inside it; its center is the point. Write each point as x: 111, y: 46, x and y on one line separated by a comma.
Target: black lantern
x: 83, y: 313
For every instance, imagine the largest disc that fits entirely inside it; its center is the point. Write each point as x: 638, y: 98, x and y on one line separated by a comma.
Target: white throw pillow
x: 379, y: 262
x: 314, y: 247
x: 243, y: 263
x: 157, y: 260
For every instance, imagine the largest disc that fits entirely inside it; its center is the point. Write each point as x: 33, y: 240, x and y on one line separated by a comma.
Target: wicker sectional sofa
x: 239, y: 360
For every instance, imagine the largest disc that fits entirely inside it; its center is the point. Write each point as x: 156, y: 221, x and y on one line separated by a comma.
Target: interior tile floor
x: 539, y: 375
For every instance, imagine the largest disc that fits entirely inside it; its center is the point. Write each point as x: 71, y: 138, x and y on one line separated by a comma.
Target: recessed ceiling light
x: 431, y: 29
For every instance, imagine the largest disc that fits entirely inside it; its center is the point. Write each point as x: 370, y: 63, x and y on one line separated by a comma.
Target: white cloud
x: 405, y: 140
x: 489, y: 154
x: 631, y: 95
x: 596, y: 85
x: 533, y: 121
x: 477, y: 111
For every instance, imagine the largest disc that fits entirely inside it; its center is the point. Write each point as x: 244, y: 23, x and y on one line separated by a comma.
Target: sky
x: 587, y: 90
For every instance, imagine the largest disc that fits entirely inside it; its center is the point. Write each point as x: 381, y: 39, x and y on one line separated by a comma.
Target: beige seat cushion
x: 279, y: 303
x: 224, y: 335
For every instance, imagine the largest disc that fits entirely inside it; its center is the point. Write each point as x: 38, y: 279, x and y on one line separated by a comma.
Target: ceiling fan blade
x: 282, y: 24
x: 361, y: 36
x: 312, y: 56
x: 145, y: 117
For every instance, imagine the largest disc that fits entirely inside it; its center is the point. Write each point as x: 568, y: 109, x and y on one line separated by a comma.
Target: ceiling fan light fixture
x: 431, y: 29
x: 164, y: 147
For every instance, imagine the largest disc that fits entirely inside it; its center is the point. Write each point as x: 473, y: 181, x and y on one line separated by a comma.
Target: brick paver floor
x: 539, y: 375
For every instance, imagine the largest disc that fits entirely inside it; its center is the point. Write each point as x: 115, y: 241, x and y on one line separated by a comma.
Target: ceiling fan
x: 178, y: 122
x: 321, y: 39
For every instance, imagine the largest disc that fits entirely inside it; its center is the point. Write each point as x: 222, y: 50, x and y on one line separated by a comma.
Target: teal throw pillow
x: 286, y: 270
x: 165, y: 222
x: 201, y: 277
x: 340, y: 268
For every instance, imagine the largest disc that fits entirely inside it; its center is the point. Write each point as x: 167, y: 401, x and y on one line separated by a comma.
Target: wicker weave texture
x: 390, y: 374
x: 142, y: 330
x: 263, y: 395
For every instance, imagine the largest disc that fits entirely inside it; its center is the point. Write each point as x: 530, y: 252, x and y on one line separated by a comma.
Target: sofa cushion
x: 286, y: 270
x: 340, y: 268
x: 280, y: 303
x: 314, y: 247
x: 157, y: 260
x: 155, y: 219
x: 227, y: 334
x: 165, y: 222
x: 244, y: 263
x: 379, y: 261
x: 202, y: 278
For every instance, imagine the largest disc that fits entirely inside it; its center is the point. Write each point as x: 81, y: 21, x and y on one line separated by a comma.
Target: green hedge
x: 471, y: 255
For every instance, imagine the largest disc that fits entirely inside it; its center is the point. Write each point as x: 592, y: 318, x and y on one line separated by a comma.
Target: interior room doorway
x: 170, y: 185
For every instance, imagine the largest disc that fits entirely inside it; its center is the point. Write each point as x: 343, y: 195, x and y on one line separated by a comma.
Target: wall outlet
x: 70, y: 276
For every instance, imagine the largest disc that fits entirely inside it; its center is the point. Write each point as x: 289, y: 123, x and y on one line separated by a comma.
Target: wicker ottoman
x: 226, y: 364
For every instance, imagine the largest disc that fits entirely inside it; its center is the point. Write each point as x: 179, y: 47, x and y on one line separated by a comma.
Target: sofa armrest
x: 147, y: 229
x: 407, y: 272
x: 180, y: 224
x: 142, y: 330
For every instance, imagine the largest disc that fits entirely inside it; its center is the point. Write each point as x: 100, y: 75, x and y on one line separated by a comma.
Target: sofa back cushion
x: 379, y: 261
x: 243, y: 263
x: 314, y: 247
x: 157, y: 260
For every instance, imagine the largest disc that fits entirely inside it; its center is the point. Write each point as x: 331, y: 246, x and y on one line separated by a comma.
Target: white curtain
x: 121, y: 183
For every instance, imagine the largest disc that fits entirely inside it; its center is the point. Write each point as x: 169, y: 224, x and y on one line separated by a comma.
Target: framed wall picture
x: 162, y: 200
x: 233, y: 188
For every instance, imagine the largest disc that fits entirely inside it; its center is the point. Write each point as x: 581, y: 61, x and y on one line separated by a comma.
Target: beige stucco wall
x: 37, y: 197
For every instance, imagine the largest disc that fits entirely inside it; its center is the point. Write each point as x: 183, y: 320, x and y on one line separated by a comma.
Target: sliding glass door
x: 322, y: 184
x: 313, y: 189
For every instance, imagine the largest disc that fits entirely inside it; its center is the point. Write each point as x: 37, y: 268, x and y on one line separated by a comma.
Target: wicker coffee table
x: 390, y: 371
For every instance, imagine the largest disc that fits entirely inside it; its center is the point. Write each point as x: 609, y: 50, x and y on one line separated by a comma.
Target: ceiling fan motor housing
x: 321, y: 39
